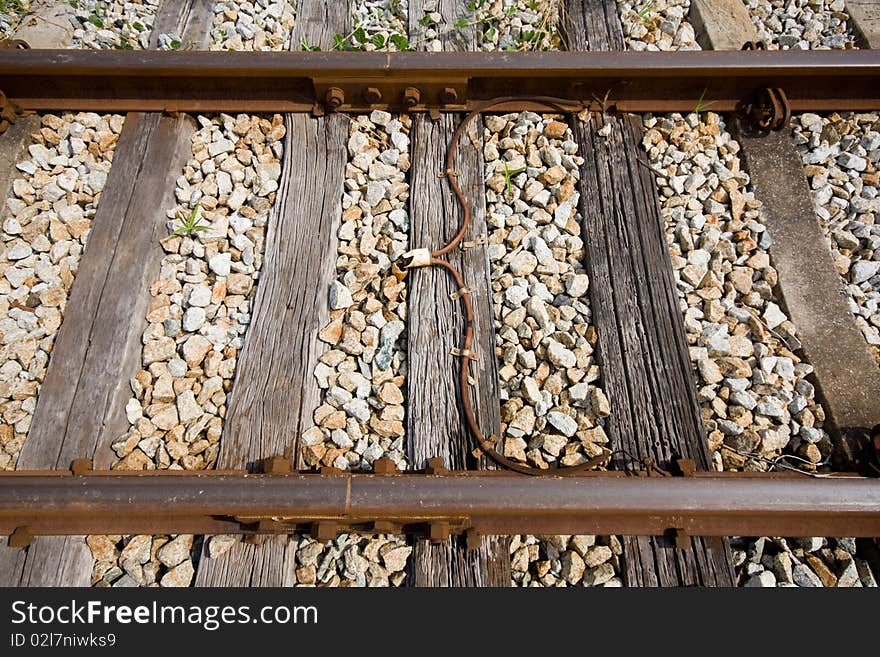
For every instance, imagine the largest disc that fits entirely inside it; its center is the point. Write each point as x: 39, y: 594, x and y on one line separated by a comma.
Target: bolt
x: 335, y: 97
x: 448, y: 95
x: 411, y: 97
x: 372, y: 95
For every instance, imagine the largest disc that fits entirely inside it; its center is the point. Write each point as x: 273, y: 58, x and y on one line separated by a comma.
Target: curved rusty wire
x: 487, y: 445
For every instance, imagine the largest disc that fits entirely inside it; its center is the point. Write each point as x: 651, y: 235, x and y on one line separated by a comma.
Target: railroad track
x: 258, y: 379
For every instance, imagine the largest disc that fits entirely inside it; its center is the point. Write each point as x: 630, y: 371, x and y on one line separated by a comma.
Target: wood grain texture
x: 11, y: 563
x: 435, y: 425
x: 81, y: 407
x: 191, y: 19
x: 646, y: 371
x: 80, y: 411
x: 275, y: 393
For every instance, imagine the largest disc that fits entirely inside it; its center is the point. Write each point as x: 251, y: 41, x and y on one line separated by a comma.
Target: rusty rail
x: 707, y: 504
x: 414, y: 81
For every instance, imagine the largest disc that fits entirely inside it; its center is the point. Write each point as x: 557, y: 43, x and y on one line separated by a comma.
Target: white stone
x: 564, y: 423
x: 221, y: 264
x: 200, y: 295
x: 193, y: 319
x: 340, y: 296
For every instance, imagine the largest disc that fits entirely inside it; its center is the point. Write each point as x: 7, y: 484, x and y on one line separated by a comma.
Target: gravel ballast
x: 660, y: 25
x: 12, y: 13
x: 518, y: 24
x: 112, y: 24
x: 553, y: 406
x: 801, y: 24
x: 258, y: 25
x: 841, y: 155
x: 362, y: 375
x: 757, y: 400
x: 698, y: 152
x: 46, y: 221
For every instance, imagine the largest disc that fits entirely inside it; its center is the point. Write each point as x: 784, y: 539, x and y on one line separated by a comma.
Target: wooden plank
x: 191, y: 19
x: 13, y: 149
x: 646, y: 371
x: 435, y: 426
x: 722, y: 24
x: 81, y: 407
x: 275, y: 393
x: 865, y: 21
x: 847, y: 375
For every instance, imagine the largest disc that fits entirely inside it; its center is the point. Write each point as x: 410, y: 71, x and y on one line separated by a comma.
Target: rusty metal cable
x: 423, y: 258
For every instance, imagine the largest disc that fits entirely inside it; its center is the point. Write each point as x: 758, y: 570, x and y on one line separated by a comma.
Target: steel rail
x: 713, y: 504
x: 361, y: 81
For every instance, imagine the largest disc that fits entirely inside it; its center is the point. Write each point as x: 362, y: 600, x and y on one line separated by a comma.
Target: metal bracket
x: 14, y: 44
x: 325, y: 530
x: 466, y: 353
x: 685, y: 467
x: 473, y: 539
x: 480, y: 241
x: 436, y: 466
x: 384, y: 466
x: 385, y: 527
x: 681, y: 538
x: 350, y: 94
x: 458, y: 294
x: 9, y: 112
x: 20, y: 537
x: 81, y: 467
x: 770, y: 110
x: 275, y: 465
x: 438, y: 531
x: 652, y: 469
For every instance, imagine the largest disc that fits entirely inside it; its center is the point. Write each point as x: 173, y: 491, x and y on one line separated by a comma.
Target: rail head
x: 446, y: 82
x: 239, y: 502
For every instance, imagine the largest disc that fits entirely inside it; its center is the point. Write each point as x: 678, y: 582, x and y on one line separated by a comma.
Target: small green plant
x: 12, y: 7
x: 702, y: 106
x: 508, y: 175
x: 643, y: 16
x: 304, y: 45
x: 190, y: 224
x: 359, y: 38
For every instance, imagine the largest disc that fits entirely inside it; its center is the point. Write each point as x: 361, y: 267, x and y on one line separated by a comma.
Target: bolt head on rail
x: 448, y: 96
x: 411, y: 97
x: 372, y: 95
x: 335, y: 98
